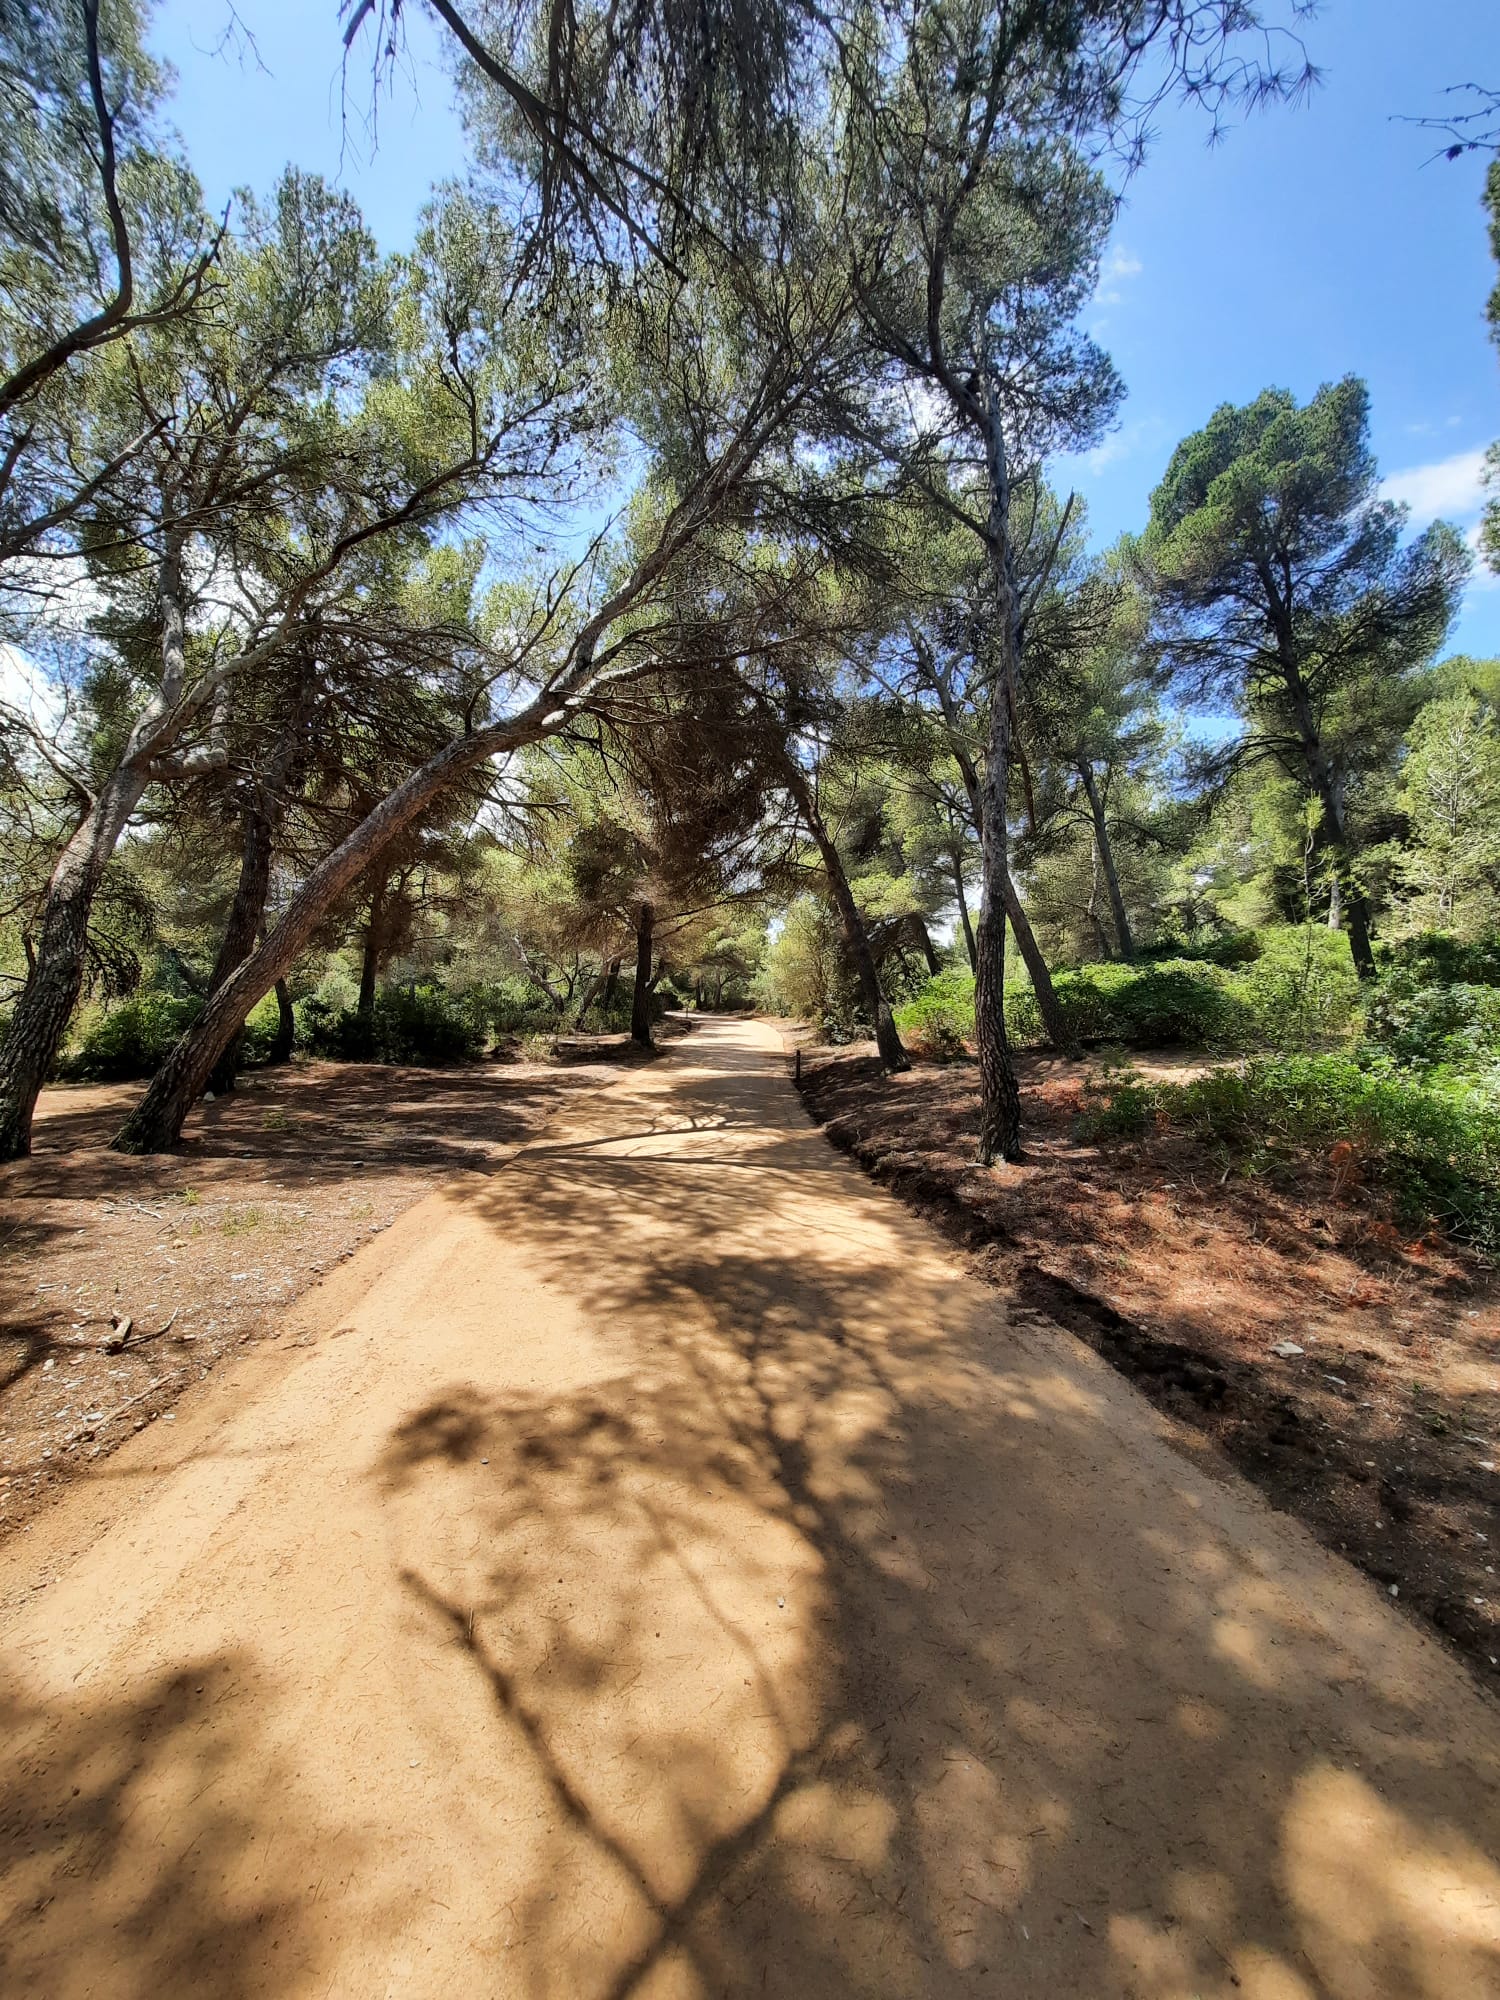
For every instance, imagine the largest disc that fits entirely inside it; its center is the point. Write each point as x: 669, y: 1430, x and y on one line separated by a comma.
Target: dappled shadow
x: 1190, y: 1274
x: 207, y: 1909
x: 312, y: 1120
x: 861, y: 1647
x: 776, y: 1619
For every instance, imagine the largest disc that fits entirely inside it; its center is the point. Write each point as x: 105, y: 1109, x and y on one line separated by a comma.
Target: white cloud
x: 1117, y: 267
x: 1121, y: 264
x: 1451, y: 488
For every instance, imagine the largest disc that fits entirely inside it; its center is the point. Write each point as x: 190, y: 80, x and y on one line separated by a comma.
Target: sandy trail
x: 654, y: 1570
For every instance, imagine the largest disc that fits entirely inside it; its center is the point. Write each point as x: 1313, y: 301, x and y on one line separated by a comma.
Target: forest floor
x: 1187, y: 1273
x: 205, y: 1249
x: 657, y: 1569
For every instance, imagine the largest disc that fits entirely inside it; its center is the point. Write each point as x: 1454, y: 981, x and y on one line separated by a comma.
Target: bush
x: 1301, y: 992
x: 1422, y: 1025
x: 1436, y: 1149
x: 1205, y: 946
x: 1436, y: 959
x: 1143, y: 1006
x: 421, y: 1025
x: 129, y: 1040
x: 941, y: 1017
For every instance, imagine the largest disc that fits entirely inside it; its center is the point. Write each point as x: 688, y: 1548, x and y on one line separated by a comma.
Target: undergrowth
x: 1436, y: 1150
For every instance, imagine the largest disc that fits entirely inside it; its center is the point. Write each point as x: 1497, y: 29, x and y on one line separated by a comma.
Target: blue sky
x: 1311, y: 243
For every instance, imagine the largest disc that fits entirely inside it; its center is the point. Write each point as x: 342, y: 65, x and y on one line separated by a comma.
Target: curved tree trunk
x: 40, y: 1019
x: 640, y: 1010
x: 156, y: 1122
x: 856, y: 939
x: 1104, y: 848
x: 41, y: 1015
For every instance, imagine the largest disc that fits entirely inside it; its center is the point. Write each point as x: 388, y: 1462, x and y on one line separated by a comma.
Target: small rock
x: 1287, y: 1348
x: 1395, y: 1590
x: 1337, y: 1381
x: 48, y: 1364
x: 781, y: 1604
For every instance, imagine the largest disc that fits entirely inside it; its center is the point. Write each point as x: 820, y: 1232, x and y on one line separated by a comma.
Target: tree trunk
x: 1328, y: 785
x: 640, y: 1010
x: 611, y: 986
x: 963, y: 909
x: 41, y: 1015
x: 1335, y: 904
x: 40, y: 1019
x: 856, y: 939
x: 1000, y: 1098
x: 369, y: 970
x: 1054, y: 1020
x: 924, y: 939
x: 1106, y: 853
x: 1036, y: 965
x: 286, y: 1026
x: 156, y: 1122
x: 245, y: 915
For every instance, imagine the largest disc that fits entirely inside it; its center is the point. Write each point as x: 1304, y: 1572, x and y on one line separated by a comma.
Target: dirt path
x: 658, y: 1572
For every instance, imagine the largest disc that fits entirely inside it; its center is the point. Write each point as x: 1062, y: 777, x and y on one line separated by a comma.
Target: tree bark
x: 1328, y: 785
x: 963, y: 908
x: 1104, y: 848
x: 640, y: 1009
x: 924, y: 939
x: 245, y: 915
x: 369, y: 969
x: 856, y: 939
x: 1000, y: 1097
x: 41, y: 1015
x: 156, y: 1122
x: 1048, y: 1006
x: 1054, y: 1020
x: 286, y: 1026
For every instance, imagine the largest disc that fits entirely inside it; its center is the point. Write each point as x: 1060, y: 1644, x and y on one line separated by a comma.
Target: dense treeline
x: 652, y: 587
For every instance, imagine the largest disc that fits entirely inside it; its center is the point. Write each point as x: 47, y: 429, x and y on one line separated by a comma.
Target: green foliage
x: 1203, y: 944
x: 1300, y: 990
x: 804, y: 973
x: 1450, y: 865
x: 129, y: 1040
x: 1436, y: 1149
x: 1180, y: 1002
x: 1438, y: 1003
x: 423, y: 1025
x: 941, y: 1018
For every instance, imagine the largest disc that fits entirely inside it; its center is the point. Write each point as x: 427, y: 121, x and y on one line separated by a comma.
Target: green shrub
x: 1143, y: 1006
x: 422, y: 1025
x: 1437, y: 1149
x: 128, y: 1040
x: 941, y: 1017
x: 1301, y: 992
x: 1455, y: 1025
x: 1205, y: 946
x: 1435, y: 959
